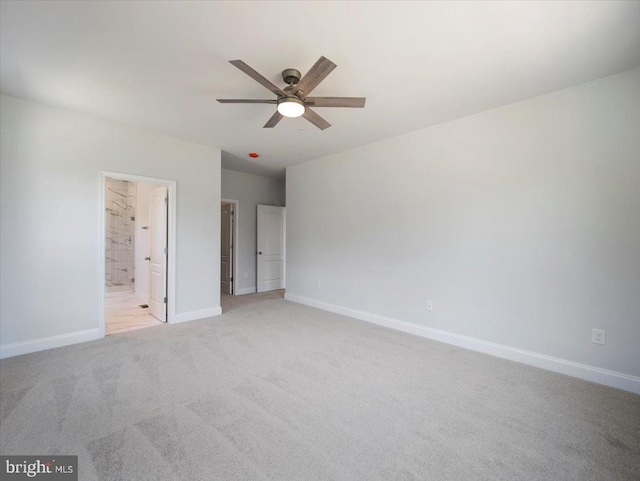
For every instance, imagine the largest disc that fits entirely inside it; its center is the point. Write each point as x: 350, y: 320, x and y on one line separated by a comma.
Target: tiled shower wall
x: 120, y: 230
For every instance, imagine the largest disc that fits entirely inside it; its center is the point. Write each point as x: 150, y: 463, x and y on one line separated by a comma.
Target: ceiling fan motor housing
x: 291, y: 76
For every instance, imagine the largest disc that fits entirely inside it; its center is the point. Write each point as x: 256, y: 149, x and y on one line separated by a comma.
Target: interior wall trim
x: 606, y: 377
x: 35, y: 345
x: 44, y: 343
x: 246, y: 290
x: 195, y: 315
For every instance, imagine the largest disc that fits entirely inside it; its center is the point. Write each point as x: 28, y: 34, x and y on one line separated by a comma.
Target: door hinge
x: 231, y: 279
x: 165, y: 300
x: 165, y: 250
x: 166, y: 200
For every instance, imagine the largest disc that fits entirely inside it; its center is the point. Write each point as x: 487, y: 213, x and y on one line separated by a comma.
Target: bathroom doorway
x: 136, y: 233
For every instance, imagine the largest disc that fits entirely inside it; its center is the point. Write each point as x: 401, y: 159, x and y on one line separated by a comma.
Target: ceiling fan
x: 294, y: 100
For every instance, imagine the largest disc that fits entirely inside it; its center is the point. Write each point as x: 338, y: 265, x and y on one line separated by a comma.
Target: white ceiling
x: 160, y: 66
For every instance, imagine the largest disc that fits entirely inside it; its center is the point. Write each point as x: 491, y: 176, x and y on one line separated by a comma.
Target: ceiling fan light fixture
x: 293, y: 101
x: 291, y: 107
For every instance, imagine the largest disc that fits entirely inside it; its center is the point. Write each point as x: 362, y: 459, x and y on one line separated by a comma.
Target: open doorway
x: 136, y: 232
x: 228, y: 246
x: 269, y: 257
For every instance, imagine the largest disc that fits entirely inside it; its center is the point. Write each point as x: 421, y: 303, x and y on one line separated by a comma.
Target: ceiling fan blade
x: 353, y: 102
x: 273, y: 121
x: 257, y: 77
x: 315, y: 75
x: 315, y: 119
x: 245, y: 101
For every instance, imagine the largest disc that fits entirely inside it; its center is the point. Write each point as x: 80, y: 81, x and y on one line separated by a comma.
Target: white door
x: 158, y: 261
x: 226, y: 248
x: 271, y: 254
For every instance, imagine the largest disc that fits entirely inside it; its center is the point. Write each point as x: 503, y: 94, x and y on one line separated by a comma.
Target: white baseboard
x: 195, y: 315
x: 246, y: 290
x: 589, y: 373
x: 26, y: 347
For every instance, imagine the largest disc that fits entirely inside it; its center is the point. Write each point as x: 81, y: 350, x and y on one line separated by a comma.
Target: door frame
x: 171, y: 235
x: 236, y: 243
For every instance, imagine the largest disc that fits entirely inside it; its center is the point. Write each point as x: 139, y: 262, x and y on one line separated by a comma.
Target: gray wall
x: 50, y: 161
x: 521, y: 224
x: 250, y: 190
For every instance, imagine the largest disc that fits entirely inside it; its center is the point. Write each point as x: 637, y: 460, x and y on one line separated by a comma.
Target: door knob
x: 147, y: 258
x: 260, y: 253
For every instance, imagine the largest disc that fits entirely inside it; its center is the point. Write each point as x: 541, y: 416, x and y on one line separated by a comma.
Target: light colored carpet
x: 229, y: 303
x: 273, y: 390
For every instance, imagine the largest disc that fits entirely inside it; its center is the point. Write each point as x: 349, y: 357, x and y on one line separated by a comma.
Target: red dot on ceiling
x: 253, y: 155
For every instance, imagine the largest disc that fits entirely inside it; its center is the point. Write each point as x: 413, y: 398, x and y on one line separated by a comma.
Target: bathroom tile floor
x: 123, y: 313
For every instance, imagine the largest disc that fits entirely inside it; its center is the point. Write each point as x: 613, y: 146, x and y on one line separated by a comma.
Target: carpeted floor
x: 229, y: 303
x: 273, y: 390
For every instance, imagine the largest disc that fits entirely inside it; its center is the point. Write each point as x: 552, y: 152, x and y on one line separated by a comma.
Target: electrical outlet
x: 318, y: 285
x: 598, y: 336
x: 429, y: 305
